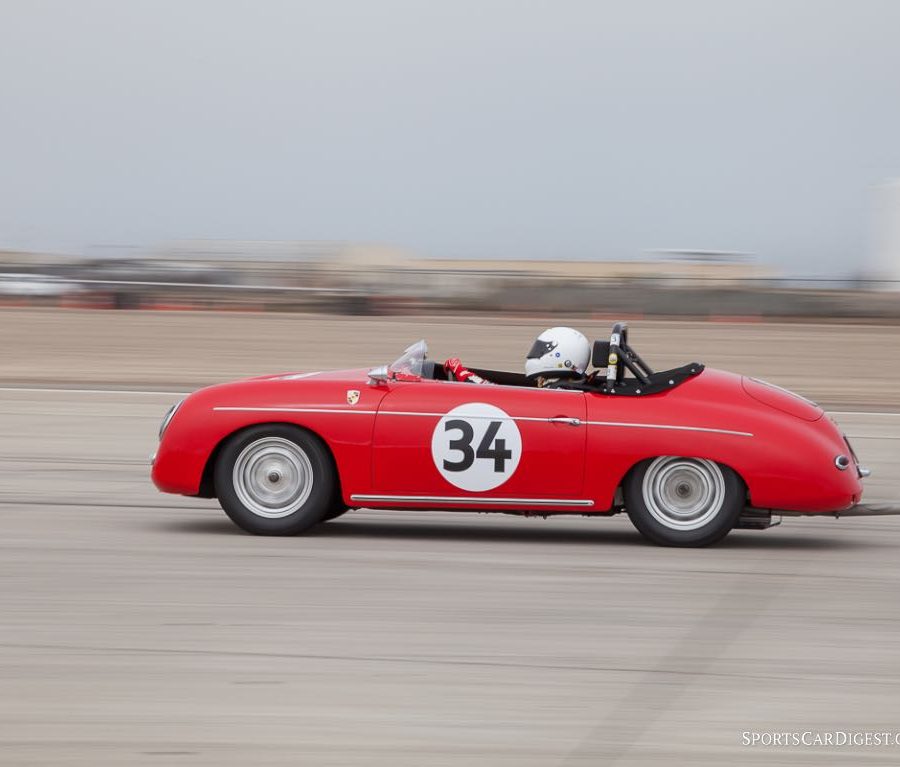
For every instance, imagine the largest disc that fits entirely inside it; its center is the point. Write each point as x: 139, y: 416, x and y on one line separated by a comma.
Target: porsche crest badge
x: 352, y: 396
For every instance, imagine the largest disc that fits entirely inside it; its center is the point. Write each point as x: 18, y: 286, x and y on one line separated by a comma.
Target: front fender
x: 210, y: 416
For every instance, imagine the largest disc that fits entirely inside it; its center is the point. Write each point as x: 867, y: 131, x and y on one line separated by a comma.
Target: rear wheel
x: 275, y: 480
x: 677, y: 501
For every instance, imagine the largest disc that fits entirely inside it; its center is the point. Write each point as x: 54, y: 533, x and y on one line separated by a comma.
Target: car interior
x: 617, y: 370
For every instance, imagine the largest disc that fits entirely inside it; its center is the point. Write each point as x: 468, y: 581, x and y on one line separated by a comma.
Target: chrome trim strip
x: 350, y: 410
x: 354, y: 411
x: 471, y: 501
x: 371, y: 412
x: 441, y: 415
x: 670, y: 426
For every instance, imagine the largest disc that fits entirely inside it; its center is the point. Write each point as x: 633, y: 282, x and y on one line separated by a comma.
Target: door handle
x: 565, y: 419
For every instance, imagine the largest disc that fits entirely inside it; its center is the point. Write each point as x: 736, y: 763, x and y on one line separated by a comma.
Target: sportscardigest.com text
x: 814, y: 738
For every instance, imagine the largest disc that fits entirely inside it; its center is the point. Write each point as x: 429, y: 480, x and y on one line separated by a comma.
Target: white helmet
x: 558, y: 353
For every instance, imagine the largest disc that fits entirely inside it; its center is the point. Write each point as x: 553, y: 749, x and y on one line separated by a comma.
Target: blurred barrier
x: 709, y: 291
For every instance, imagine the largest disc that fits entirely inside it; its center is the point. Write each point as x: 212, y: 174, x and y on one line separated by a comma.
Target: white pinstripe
x: 612, y: 424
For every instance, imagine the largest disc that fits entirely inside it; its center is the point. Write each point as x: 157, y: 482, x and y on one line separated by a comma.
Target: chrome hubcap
x: 683, y: 493
x: 272, y: 477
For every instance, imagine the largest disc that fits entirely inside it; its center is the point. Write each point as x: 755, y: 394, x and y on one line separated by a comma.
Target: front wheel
x: 275, y: 480
x: 337, y: 509
x: 677, y: 501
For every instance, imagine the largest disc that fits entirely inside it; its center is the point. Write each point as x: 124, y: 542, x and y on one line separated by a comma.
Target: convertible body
x: 417, y: 442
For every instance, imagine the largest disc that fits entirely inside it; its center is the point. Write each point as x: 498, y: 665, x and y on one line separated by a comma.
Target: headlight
x: 168, y: 417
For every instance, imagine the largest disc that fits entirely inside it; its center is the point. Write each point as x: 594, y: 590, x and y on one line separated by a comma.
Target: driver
x: 558, y: 356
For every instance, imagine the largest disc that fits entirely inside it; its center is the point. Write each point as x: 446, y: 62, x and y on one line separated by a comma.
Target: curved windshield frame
x: 411, y: 362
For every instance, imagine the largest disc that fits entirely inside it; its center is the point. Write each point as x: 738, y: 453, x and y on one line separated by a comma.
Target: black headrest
x: 600, y: 354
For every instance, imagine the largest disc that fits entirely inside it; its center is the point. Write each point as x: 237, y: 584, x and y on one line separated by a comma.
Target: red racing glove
x: 455, y: 368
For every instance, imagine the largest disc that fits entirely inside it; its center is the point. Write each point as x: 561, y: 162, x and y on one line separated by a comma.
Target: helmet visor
x: 539, y: 348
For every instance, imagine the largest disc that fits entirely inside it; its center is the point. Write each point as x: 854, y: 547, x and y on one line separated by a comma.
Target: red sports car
x: 689, y: 453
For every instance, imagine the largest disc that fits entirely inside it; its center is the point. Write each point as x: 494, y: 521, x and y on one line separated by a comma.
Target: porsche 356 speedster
x: 689, y: 453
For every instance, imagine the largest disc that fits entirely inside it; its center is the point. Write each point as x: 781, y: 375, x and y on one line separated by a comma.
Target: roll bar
x: 619, y: 356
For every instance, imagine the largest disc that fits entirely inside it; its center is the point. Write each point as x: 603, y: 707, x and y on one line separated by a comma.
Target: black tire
x: 338, y: 508
x: 677, y: 501
x: 253, y: 465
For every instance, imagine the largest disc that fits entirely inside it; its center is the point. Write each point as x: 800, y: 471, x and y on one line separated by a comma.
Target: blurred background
x: 397, y: 156
x: 197, y: 190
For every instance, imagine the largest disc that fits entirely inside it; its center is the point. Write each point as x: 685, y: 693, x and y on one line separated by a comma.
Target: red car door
x: 445, y: 439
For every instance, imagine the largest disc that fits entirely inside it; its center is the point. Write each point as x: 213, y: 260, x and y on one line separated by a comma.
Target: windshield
x: 411, y: 362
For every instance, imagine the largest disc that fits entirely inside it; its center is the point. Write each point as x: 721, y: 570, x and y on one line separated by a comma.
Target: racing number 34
x: 476, y: 446
x: 490, y: 447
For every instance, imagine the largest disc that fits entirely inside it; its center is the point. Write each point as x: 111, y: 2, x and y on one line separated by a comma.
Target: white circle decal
x: 476, y: 446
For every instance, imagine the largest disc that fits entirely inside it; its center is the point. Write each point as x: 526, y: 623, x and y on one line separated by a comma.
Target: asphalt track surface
x: 138, y: 628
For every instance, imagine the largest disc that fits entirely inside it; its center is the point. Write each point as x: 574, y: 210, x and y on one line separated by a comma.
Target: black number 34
x: 490, y: 447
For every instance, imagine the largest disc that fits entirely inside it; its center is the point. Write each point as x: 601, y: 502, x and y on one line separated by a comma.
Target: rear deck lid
x: 782, y: 399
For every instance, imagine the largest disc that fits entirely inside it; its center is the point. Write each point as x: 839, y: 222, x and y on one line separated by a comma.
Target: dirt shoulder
x: 849, y: 366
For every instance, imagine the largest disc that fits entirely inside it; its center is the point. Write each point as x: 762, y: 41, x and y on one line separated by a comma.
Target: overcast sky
x: 465, y: 128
